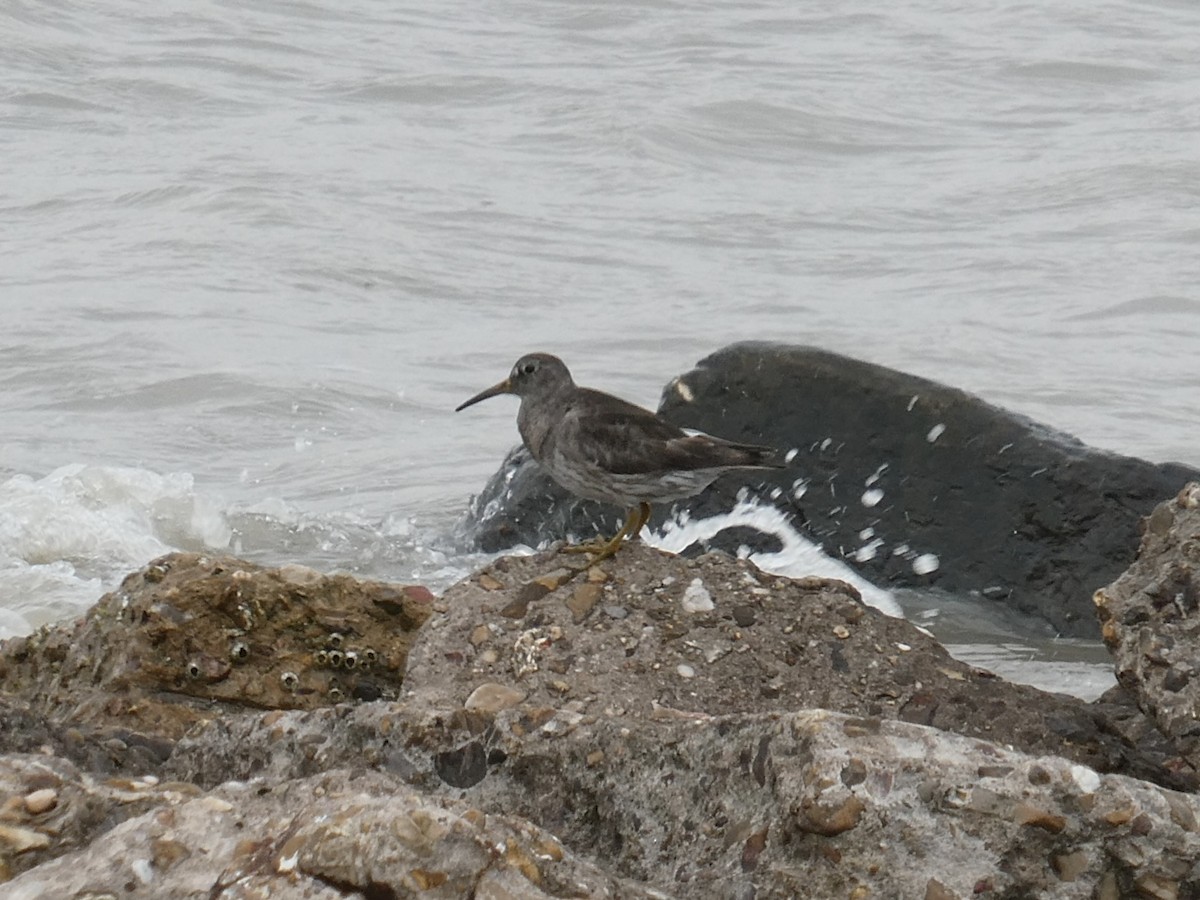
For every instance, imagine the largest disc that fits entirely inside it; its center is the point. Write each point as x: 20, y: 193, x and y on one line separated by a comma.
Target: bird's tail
x: 758, y: 456
x: 699, y: 450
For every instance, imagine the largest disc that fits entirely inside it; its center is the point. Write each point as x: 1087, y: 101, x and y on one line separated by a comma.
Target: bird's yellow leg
x: 604, y: 549
x: 643, y: 518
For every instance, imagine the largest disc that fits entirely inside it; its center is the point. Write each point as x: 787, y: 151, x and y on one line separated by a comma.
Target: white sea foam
x: 68, y: 536
x: 797, y: 557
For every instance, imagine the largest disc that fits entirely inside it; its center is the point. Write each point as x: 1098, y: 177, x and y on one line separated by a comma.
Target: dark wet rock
x: 1150, y: 620
x: 1011, y: 509
x: 189, y: 636
x: 340, y: 834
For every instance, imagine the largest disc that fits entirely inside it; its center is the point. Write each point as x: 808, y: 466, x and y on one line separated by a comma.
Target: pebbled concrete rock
x: 98, y: 749
x: 771, y: 805
x: 337, y: 835
x: 757, y: 643
x: 1150, y: 620
x: 48, y: 808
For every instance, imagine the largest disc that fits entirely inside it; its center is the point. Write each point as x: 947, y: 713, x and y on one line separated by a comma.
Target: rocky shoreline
x: 911, y: 482
x: 656, y: 726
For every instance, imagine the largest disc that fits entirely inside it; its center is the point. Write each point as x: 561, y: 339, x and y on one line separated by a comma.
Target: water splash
x: 65, y: 536
x: 796, y: 557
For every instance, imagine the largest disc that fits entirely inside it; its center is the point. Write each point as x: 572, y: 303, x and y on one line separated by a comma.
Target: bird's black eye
x: 529, y: 368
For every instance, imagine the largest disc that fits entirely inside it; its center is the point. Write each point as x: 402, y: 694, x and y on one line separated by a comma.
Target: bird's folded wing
x: 635, y: 442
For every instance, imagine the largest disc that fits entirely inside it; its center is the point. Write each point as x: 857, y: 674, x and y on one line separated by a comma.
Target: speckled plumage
x: 603, y: 448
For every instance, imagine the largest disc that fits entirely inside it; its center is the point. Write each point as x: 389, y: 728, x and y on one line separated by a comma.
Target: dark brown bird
x: 603, y: 448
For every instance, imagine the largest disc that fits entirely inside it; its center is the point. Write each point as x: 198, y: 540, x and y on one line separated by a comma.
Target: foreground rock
x: 189, y: 637
x: 891, y: 472
x: 101, y: 749
x: 1151, y: 621
x: 337, y: 835
x: 51, y: 808
x: 639, y: 729
x: 770, y: 805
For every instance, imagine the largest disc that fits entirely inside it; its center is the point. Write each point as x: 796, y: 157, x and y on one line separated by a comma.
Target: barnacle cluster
x: 336, y: 654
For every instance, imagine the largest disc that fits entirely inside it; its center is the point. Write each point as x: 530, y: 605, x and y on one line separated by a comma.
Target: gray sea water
x: 252, y: 254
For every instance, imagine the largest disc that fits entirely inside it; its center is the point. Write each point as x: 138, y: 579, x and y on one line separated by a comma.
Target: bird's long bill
x: 504, y: 387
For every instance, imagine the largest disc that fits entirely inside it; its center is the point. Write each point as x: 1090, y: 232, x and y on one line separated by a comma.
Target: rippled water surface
x: 254, y: 253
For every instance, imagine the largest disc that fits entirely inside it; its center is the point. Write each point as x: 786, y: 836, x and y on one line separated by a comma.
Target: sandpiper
x: 604, y: 448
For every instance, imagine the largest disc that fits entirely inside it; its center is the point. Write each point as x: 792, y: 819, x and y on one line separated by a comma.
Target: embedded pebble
x: 143, y: 870
x: 1189, y: 497
x: 563, y: 722
x: 488, y: 583
x: 1036, y: 817
x: 492, y: 697
x: 616, y: 612
x: 215, y: 804
x: 1085, y: 779
x: 40, y: 801
x: 19, y: 840
x: 712, y: 654
x: 582, y: 600
x: 744, y: 615
x: 696, y: 597
x: 685, y: 671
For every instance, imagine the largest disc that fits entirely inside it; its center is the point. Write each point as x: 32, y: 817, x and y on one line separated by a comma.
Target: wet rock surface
x: 1151, y: 621
x: 655, y: 726
x: 1011, y: 509
x: 190, y: 636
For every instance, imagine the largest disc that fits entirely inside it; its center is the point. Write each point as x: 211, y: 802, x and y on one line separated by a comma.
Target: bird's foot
x: 598, y: 550
x: 604, y: 549
x: 587, y: 546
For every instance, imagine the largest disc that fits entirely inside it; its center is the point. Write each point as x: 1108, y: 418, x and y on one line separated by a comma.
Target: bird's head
x: 535, y: 375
